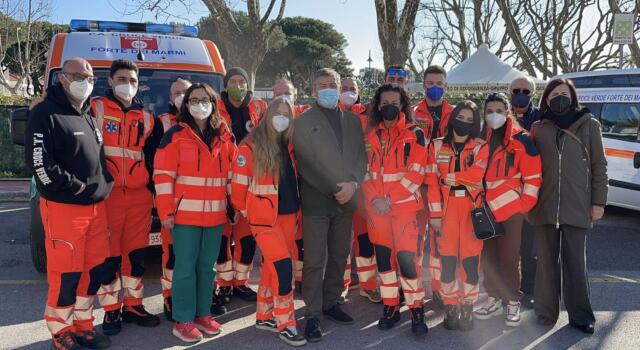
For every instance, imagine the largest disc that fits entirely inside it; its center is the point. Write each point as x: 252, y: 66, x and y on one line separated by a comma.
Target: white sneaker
x: 513, y: 314
x: 492, y: 307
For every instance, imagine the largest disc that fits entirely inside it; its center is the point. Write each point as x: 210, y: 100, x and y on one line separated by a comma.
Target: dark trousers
x: 527, y: 259
x: 566, y: 248
x: 327, y: 240
x: 501, y: 260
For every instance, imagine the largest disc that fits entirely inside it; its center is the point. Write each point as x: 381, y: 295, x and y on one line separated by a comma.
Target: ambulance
x: 613, y: 96
x: 163, y: 52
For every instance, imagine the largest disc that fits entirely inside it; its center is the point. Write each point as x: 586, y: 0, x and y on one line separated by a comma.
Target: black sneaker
x: 418, y: 326
x: 290, y: 336
x: 401, y: 296
x: 138, y: 315
x: 267, y: 325
x: 527, y: 302
x: 168, y: 306
x: 336, y: 314
x: 245, y: 293
x: 64, y: 341
x: 112, y: 322
x: 451, y: 317
x: 588, y: 328
x: 92, y: 339
x: 437, y: 300
x: 313, y: 331
x: 217, y: 304
x: 546, y: 321
x: 466, y: 317
x: 390, y: 316
x: 225, y: 293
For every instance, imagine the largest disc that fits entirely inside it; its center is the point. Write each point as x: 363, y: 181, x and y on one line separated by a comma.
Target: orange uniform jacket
x: 441, y: 165
x: 167, y: 120
x: 357, y: 109
x: 423, y: 118
x: 256, y: 108
x: 255, y: 198
x: 396, y: 165
x: 191, y: 181
x: 513, y: 175
x: 299, y: 109
x: 125, y: 135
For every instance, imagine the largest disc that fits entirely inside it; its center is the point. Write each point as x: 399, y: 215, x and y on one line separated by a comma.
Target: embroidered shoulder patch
x: 242, y: 161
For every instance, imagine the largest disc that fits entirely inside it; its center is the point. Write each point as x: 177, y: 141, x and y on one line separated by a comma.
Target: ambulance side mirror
x: 636, y: 160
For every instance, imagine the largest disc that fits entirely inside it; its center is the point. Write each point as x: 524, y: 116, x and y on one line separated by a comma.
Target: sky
x: 355, y: 19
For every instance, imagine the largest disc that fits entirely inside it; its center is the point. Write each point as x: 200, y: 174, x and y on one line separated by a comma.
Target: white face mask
x: 280, y: 122
x: 125, y: 91
x: 178, y: 101
x: 200, y: 110
x: 348, y: 98
x: 495, y: 120
x: 80, y: 90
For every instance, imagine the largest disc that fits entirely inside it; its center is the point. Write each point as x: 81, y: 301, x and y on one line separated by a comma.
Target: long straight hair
x: 265, y: 140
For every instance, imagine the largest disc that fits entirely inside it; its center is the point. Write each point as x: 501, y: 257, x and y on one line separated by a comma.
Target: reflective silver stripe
x: 263, y: 189
x: 147, y: 123
x: 166, y: 122
x: 164, y: 188
x: 417, y: 167
x: 530, y: 190
x: 240, y: 179
x: 208, y: 206
x: 164, y: 172
x: 527, y: 178
x: 122, y: 152
x: 83, y: 309
x: 58, y: 319
x: 389, y: 277
x: 435, y: 207
x: 431, y: 168
x: 504, y: 199
x: 201, y: 181
x: 370, y: 176
x: 410, y: 186
x: 99, y: 113
x: 389, y: 292
x: 392, y: 177
x: 494, y: 184
x: 408, y: 199
x: 132, y: 287
x: 451, y: 177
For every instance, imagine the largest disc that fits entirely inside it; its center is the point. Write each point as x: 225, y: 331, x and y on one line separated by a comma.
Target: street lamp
x: 370, y: 72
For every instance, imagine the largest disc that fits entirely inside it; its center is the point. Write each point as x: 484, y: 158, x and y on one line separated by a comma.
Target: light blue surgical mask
x: 328, y: 98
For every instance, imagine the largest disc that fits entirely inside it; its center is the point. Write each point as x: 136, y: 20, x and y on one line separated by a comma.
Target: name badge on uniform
x: 460, y: 193
x: 443, y: 158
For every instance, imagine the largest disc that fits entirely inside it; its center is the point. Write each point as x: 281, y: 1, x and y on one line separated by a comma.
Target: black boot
x: 466, y: 317
x: 217, y: 304
x: 390, y: 316
x: 92, y: 339
x: 112, y: 322
x: 168, y: 306
x: 245, y: 293
x: 418, y: 326
x: 225, y: 293
x: 451, y: 317
x: 138, y: 315
x: 437, y: 300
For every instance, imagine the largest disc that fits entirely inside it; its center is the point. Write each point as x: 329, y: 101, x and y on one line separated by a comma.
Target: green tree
x: 311, y: 44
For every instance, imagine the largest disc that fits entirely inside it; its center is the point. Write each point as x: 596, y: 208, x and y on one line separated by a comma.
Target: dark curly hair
x: 374, y: 113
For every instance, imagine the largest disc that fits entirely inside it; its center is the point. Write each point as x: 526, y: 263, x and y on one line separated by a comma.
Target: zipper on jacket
x: 124, y: 136
x: 198, y: 159
x: 559, y: 182
x: 396, y: 157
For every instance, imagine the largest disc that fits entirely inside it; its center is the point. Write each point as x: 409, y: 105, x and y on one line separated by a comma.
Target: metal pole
x: 621, y: 58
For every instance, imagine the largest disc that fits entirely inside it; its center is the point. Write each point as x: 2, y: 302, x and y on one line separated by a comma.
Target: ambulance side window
x: 621, y: 121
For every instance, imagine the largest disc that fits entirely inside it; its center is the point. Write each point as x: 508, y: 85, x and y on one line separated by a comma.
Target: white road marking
x: 12, y: 210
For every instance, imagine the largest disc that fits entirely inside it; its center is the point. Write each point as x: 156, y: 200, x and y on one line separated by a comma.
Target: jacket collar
x: 510, y: 130
x: 136, y: 103
x: 57, y: 95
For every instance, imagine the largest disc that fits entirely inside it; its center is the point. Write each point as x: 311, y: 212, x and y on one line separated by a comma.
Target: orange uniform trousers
x: 234, y: 262
x: 129, y: 221
x: 77, y: 245
x: 460, y: 253
x: 364, y: 254
x: 398, y: 248
x: 275, y: 293
x: 434, y: 256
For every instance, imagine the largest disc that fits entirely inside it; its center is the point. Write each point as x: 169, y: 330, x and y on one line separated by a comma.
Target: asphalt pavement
x: 614, y: 267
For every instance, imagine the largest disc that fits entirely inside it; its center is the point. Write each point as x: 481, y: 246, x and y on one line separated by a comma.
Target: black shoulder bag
x: 484, y: 222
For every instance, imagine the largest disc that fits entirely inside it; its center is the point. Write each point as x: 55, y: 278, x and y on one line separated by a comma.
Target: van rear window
x: 604, y: 81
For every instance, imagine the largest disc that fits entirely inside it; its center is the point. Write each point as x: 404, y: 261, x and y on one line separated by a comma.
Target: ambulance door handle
x: 636, y: 160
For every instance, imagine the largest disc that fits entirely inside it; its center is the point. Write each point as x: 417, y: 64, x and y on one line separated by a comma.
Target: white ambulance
x: 613, y: 96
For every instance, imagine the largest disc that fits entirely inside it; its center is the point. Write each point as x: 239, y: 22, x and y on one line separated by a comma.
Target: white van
x: 613, y: 96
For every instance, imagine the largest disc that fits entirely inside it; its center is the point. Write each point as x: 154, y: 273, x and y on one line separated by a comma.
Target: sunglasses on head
x: 521, y: 91
x: 397, y: 71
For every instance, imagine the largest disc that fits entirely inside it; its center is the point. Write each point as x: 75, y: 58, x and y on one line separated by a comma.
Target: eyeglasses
x: 80, y: 77
x: 521, y: 91
x: 397, y: 71
x: 194, y: 100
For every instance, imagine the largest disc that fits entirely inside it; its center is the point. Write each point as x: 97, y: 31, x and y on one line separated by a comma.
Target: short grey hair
x: 327, y: 72
x: 528, y: 79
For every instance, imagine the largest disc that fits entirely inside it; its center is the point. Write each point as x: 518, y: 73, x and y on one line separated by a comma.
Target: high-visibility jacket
x: 396, y: 165
x: 257, y: 107
x: 299, y: 109
x: 357, y: 108
x: 191, y: 180
x: 255, y: 197
x: 423, y: 118
x: 167, y: 120
x: 514, y: 174
x: 441, y: 164
x: 125, y: 133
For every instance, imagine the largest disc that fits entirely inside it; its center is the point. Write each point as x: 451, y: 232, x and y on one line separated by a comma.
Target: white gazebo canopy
x: 484, y: 72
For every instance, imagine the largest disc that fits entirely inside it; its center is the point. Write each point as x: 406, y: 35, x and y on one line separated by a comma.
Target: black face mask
x: 462, y: 128
x: 389, y: 112
x: 520, y: 100
x: 560, y: 105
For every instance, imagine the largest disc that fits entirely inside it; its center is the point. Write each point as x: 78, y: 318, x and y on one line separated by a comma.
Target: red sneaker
x: 187, y: 332
x: 208, y: 325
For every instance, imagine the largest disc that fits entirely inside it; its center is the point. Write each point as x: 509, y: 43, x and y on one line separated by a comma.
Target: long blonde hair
x: 266, y: 140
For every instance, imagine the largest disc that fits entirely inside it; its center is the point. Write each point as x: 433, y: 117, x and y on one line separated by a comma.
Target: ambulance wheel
x: 36, y: 235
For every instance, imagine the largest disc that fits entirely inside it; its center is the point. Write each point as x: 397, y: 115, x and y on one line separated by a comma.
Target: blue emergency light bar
x: 83, y: 25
